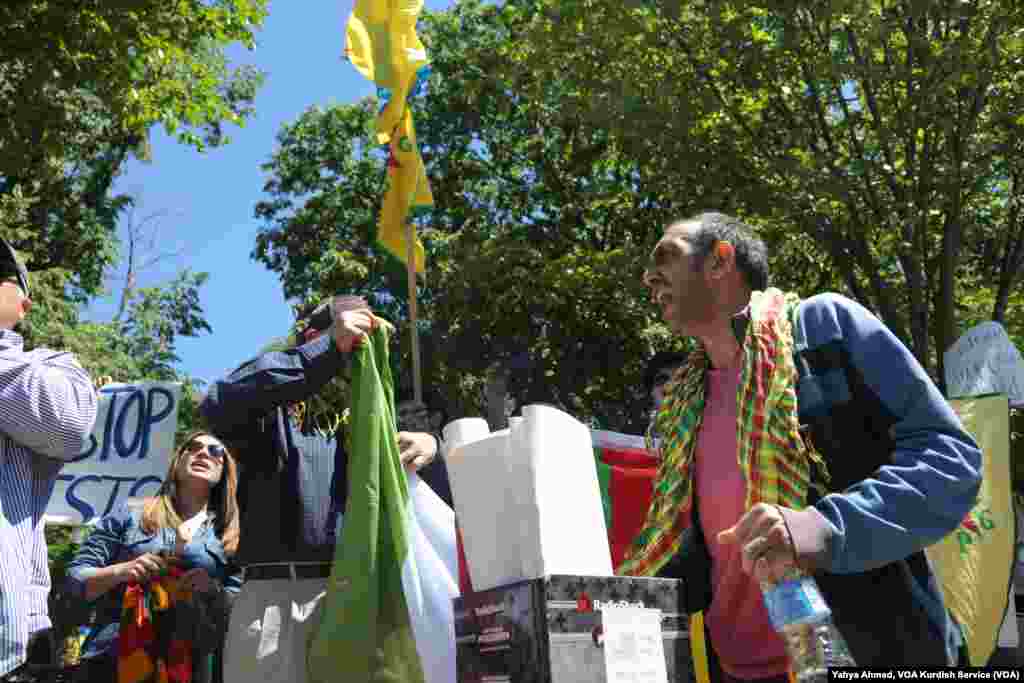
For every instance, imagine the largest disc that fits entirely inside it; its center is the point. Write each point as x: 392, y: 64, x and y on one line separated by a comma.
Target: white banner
x: 985, y: 361
x: 127, y: 454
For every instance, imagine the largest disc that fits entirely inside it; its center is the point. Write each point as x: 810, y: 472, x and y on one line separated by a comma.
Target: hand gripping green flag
x: 366, y: 633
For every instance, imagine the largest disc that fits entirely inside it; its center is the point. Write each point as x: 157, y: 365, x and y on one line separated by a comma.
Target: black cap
x: 10, y: 266
x: 319, y: 320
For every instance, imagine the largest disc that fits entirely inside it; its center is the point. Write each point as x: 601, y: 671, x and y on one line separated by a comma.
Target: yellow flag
x: 699, y: 649
x: 384, y: 47
x: 974, y: 564
x: 407, y: 190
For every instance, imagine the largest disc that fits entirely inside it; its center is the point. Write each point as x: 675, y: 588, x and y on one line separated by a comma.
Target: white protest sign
x: 126, y: 456
x: 985, y: 361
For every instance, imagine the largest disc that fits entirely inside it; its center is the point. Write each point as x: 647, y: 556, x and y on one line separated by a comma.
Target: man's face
x: 679, y: 284
x: 14, y: 305
x: 413, y: 417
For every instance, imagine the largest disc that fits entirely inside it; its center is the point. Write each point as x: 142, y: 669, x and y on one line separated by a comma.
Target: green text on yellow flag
x: 383, y: 46
x: 974, y: 564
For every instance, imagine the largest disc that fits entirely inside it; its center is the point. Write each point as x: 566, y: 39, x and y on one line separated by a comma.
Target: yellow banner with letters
x: 975, y: 563
x: 383, y: 46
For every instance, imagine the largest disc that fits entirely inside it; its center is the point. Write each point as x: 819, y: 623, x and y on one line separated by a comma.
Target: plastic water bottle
x: 799, y: 613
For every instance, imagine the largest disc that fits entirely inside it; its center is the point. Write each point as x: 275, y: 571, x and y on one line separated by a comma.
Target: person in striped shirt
x: 47, y: 410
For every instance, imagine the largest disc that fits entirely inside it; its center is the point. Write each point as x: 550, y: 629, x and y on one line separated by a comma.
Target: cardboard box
x: 548, y: 630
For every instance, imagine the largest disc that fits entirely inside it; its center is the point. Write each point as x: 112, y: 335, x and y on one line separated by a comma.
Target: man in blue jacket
x: 799, y: 432
x: 292, y: 489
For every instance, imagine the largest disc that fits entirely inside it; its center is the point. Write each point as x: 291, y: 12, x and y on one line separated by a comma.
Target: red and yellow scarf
x: 772, y: 455
x: 149, y: 648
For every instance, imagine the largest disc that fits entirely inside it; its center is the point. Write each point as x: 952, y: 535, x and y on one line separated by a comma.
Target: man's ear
x: 26, y: 306
x: 723, y: 259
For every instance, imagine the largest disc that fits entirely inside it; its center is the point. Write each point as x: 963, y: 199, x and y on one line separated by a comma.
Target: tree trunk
x: 1013, y: 256
x: 945, y: 297
x: 1003, y: 297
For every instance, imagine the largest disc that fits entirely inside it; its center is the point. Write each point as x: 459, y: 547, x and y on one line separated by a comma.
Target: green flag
x: 366, y: 633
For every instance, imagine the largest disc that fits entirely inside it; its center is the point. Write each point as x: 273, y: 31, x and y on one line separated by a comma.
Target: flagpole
x: 410, y: 262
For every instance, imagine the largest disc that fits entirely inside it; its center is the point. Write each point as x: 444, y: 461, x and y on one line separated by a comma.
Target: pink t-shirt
x: 747, y: 645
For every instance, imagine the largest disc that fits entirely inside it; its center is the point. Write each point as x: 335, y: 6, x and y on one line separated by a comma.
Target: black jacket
x: 292, y: 483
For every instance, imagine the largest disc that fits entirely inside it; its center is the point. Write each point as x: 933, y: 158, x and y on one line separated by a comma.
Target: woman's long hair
x: 160, y: 511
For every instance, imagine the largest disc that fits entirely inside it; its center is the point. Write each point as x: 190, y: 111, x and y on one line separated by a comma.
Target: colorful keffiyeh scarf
x: 772, y: 455
x: 154, y: 642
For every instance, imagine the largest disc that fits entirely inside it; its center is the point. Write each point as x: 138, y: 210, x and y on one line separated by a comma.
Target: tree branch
x: 880, y: 129
x: 1013, y: 255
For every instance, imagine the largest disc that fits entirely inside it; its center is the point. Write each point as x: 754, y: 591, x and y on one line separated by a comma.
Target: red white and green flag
x: 387, y: 614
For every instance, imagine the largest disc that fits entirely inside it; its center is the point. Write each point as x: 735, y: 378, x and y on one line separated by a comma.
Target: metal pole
x: 410, y: 251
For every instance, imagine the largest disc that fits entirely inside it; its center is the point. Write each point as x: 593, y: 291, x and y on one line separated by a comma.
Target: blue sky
x: 208, y: 199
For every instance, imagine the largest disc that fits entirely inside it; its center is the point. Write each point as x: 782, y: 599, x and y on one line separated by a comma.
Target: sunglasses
x: 215, y: 450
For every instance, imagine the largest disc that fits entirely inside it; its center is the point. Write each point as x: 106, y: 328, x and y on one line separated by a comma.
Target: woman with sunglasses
x: 189, y: 529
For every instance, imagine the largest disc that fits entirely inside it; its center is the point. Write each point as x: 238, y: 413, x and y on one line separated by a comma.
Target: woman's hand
x: 142, y: 568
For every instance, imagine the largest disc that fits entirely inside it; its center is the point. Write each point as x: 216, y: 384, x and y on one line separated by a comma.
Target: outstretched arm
x: 271, y: 380
x: 277, y: 378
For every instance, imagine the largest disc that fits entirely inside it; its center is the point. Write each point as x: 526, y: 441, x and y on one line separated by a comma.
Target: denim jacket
x: 119, y: 538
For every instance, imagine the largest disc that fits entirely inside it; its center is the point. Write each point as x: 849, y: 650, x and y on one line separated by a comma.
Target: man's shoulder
x: 829, y: 304
x: 826, y: 318
x: 37, y: 354
x: 44, y: 353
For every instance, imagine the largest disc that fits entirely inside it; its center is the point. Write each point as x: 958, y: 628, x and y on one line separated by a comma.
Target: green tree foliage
x: 141, y: 346
x: 160, y: 315
x: 124, y: 65
x: 886, y: 133
x: 324, y: 188
x: 535, y: 245
x: 875, y: 145
x: 81, y: 85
